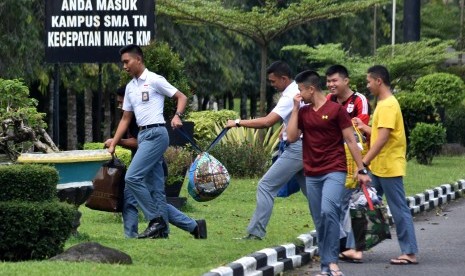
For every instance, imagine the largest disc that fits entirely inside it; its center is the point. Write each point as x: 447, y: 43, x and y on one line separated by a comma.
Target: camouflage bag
x: 370, y: 224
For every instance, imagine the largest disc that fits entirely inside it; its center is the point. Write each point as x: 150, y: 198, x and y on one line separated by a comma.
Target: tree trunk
x: 263, y: 60
x: 253, y: 104
x: 106, y: 116
x: 243, y: 104
x: 50, y: 108
x: 71, y: 121
x: 88, y: 116
x: 230, y: 100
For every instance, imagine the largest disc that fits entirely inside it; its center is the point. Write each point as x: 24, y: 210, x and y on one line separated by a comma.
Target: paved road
x: 441, y: 241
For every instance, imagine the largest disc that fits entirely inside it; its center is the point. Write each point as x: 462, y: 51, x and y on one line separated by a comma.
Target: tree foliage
x: 406, y: 62
x: 21, y: 47
x: 262, y: 23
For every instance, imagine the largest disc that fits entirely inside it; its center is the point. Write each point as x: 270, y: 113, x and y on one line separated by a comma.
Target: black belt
x: 150, y: 126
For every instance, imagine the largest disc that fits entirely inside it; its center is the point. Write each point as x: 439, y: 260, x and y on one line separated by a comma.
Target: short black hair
x: 133, y: 49
x: 309, y: 78
x: 337, y: 69
x: 380, y: 71
x: 279, y: 68
x: 121, y: 91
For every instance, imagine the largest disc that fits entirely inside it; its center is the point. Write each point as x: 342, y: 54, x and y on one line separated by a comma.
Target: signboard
x: 93, y: 31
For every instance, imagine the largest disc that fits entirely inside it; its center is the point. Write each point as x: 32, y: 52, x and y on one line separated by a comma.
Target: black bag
x: 108, y: 194
x: 370, y: 224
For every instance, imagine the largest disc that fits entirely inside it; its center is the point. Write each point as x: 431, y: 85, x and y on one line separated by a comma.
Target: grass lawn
x: 227, y: 218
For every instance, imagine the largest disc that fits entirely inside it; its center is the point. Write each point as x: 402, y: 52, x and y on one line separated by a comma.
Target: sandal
x: 336, y: 273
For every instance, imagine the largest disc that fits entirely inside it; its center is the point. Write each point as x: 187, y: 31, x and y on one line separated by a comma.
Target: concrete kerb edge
x: 272, y: 261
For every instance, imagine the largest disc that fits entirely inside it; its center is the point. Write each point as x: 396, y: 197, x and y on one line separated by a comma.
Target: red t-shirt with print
x: 323, y: 144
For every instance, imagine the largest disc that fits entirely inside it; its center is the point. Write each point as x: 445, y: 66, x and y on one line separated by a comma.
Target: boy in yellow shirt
x: 387, y: 162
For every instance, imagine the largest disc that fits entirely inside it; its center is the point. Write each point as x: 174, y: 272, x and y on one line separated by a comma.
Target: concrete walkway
x: 441, y: 240
x: 440, y: 235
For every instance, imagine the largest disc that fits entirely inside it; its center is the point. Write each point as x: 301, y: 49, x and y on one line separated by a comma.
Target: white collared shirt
x: 285, y: 105
x: 145, y: 96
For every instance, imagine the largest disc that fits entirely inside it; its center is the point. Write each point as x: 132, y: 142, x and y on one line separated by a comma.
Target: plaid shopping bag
x: 370, y: 224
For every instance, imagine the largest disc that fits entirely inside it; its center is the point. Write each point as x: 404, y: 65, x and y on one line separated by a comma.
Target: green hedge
x: 122, y: 153
x: 426, y: 141
x: 205, y: 121
x: 34, y: 230
x: 28, y: 182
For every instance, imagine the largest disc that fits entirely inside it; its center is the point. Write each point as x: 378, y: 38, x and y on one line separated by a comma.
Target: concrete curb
x: 272, y: 261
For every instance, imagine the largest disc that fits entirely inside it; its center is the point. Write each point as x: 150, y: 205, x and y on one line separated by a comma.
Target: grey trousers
x: 286, y: 166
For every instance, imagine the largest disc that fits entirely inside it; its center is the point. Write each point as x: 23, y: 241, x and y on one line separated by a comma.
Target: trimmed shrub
x: 444, y: 89
x: 426, y: 141
x: 416, y: 107
x: 28, y: 182
x: 205, y: 122
x: 122, y: 153
x: 34, y: 230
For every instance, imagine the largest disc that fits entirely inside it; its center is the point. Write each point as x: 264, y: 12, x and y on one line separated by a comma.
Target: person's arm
x: 122, y: 127
x: 348, y: 134
x: 362, y: 126
x: 377, y: 146
x: 292, y: 130
x: 263, y: 122
x: 129, y: 143
x: 181, y: 100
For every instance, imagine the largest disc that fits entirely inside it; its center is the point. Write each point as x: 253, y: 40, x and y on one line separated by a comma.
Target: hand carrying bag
x: 208, y: 178
x: 108, y: 194
x: 370, y: 224
x: 351, y: 182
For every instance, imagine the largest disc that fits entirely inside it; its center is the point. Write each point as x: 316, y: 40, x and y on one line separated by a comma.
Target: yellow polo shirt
x: 391, y: 161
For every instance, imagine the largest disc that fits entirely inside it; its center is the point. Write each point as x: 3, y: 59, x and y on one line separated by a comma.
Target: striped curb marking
x: 272, y: 261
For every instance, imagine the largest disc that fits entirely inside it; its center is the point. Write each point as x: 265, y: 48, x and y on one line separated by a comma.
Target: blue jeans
x: 150, y: 195
x: 393, y: 187
x: 131, y: 217
x: 324, y: 194
x: 286, y: 166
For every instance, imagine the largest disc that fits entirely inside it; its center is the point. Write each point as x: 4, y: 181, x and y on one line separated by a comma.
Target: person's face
x: 336, y: 83
x: 278, y: 82
x: 373, y: 84
x: 131, y: 64
x: 306, y: 92
x: 119, y: 100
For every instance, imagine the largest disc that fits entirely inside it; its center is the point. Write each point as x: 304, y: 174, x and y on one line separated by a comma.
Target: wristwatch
x: 179, y: 114
x: 238, y: 122
x: 363, y: 171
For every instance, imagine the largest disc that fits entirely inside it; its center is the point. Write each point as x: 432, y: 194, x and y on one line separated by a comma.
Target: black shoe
x: 200, y: 231
x: 251, y: 237
x: 155, y: 230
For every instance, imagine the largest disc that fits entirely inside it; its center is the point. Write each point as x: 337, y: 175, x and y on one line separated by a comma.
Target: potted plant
x: 178, y: 160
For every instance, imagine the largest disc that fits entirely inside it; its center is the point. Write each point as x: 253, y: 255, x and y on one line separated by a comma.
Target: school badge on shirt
x: 145, y: 94
x: 350, y: 108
